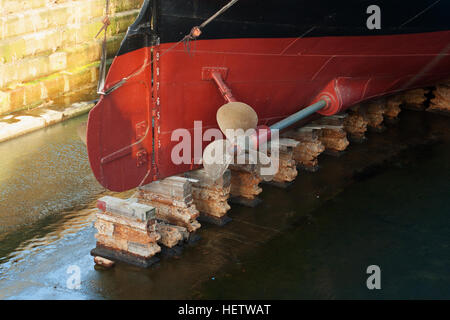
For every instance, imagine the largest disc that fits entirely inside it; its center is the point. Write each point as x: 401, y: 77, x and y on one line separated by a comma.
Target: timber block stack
x: 172, y: 198
x: 356, y: 125
x: 393, y: 109
x: 287, y: 168
x: 211, y: 197
x: 334, y: 138
x: 126, y: 231
x: 245, y: 181
x: 306, y: 153
x: 373, y: 112
x: 441, y: 101
x: 332, y: 133
x: 415, y: 99
x: 172, y: 236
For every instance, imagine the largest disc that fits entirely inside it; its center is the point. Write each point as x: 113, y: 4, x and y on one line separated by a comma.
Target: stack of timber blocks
x: 126, y: 231
x: 211, y: 197
x: 245, y: 181
x: 172, y: 198
x: 441, y: 101
x: 332, y: 133
x: 373, y: 112
x: 356, y: 125
x: 392, y: 109
x: 306, y: 153
x: 372, y: 115
x: 161, y: 219
x: 287, y: 167
x: 415, y: 99
x: 48, y: 52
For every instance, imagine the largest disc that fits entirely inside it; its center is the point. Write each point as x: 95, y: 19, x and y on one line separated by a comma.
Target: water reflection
x: 43, y: 173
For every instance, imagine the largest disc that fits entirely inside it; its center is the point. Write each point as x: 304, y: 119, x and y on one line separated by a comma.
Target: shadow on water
x: 384, y: 202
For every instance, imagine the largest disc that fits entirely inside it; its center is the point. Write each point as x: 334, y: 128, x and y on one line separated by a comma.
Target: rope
x: 218, y: 13
x: 102, y: 71
x: 192, y: 35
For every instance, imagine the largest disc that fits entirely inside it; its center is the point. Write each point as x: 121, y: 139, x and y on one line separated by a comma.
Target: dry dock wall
x: 48, y: 51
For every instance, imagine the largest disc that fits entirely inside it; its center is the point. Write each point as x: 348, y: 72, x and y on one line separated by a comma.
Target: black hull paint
x: 165, y: 21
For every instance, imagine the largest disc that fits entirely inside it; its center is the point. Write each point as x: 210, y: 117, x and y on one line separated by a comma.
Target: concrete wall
x: 48, y: 53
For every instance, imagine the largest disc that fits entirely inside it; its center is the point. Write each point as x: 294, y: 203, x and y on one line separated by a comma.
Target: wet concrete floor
x: 385, y: 202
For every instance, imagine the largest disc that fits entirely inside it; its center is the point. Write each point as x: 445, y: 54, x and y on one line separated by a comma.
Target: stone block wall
x: 48, y: 51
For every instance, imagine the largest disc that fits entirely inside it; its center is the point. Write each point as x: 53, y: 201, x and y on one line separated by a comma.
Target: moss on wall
x: 48, y: 50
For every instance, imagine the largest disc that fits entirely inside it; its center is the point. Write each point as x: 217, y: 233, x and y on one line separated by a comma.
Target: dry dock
x: 383, y: 202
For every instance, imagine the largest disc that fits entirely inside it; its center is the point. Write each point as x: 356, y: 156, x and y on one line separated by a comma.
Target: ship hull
x: 130, y: 131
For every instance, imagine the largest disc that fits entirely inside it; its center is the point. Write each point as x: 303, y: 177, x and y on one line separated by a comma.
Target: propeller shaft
x: 300, y: 115
x: 264, y: 133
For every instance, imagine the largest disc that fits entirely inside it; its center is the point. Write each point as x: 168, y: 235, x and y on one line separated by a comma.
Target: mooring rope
x: 192, y: 35
x: 218, y: 13
x: 102, y: 71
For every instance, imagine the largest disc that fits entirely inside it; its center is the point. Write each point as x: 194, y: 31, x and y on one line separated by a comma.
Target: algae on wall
x: 48, y: 51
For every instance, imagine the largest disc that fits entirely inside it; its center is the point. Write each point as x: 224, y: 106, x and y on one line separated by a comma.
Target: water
x: 385, y: 202
x: 43, y: 173
x: 398, y: 220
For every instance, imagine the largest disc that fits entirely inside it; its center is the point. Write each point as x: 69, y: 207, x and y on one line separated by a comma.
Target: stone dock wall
x: 48, y: 52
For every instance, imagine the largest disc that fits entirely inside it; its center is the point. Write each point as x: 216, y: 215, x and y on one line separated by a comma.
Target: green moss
x: 12, y: 50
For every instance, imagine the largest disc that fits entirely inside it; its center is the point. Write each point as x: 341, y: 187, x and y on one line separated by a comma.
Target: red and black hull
x: 278, y: 56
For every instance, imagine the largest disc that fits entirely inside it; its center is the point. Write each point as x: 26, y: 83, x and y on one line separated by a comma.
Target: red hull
x: 275, y: 76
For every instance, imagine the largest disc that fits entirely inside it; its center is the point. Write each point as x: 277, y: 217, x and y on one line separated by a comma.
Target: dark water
x: 398, y: 220
x: 385, y: 202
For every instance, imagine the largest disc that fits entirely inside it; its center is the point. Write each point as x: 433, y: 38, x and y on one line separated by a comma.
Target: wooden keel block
x: 175, y: 191
x: 355, y: 125
x: 144, y: 233
x: 126, y: 231
x: 415, y: 99
x: 173, y: 201
x: 126, y: 257
x: 170, y: 235
x: 441, y: 101
x: 332, y: 133
x: 180, y: 216
x: 333, y: 138
x: 373, y: 113
x: 245, y: 183
x: 211, y: 197
x: 308, y: 149
x: 141, y: 249
x: 173, y: 239
x: 126, y: 208
x: 393, y: 109
x: 287, y: 168
x: 103, y: 262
